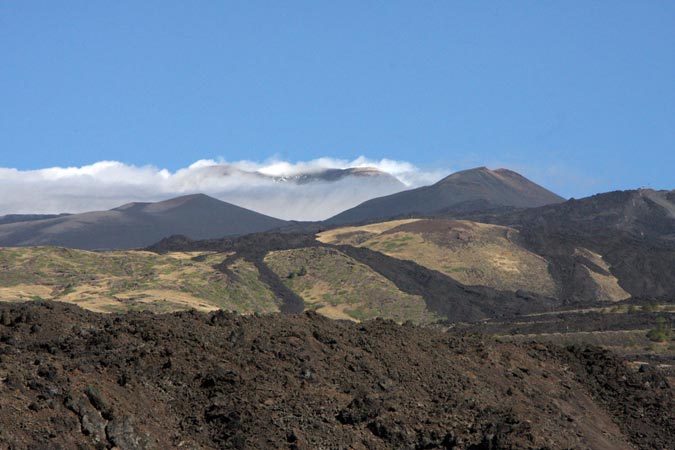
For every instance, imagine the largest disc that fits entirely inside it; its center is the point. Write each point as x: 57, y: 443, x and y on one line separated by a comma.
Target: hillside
x: 292, y: 193
x: 334, y: 274
x: 477, y: 254
x: 132, y: 280
x: 468, y: 190
x: 337, y: 286
x: 14, y: 218
x: 634, y: 231
x: 526, y: 261
x: 137, y: 225
x: 643, y: 214
x: 624, y: 329
x: 190, y: 380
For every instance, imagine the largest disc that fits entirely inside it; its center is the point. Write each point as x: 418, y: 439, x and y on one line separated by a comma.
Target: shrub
x: 650, y: 307
x: 662, y: 332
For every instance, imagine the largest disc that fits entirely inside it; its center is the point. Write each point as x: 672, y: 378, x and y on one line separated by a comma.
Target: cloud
x: 266, y: 187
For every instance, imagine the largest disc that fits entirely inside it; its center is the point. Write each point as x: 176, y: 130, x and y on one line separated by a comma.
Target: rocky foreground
x: 75, y: 379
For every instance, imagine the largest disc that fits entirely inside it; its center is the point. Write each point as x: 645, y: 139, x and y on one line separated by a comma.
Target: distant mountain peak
x: 365, y: 171
x: 137, y: 225
x: 479, y: 173
x: 176, y: 202
x: 473, y: 189
x: 131, y: 206
x: 372, y: 174
x: 190, y: 198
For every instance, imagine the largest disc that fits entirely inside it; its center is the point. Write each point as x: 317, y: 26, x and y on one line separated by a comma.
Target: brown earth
x: 632, y: 230
x: 70, y: 378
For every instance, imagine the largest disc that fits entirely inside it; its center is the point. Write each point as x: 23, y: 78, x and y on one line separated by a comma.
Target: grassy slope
x: 474, y: 254
x: 469, y: 252
x: 337, y: 286
x: 130, y: 280
x: 606, y: 285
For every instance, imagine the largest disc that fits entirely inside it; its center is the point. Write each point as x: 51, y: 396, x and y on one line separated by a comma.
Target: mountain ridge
x: 135, y: 225
x: 634, y: 230
x: 479, y: 186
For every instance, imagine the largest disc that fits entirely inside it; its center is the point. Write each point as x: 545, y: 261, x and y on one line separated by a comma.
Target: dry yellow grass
x: 121, y: 281
x: 607, y: 286
x: 339, y: 287
x: 338, y: 312
x: 472, y: 253
x: 167, y: 295
x: 22, y: 292
x: 190, y: 255
x: 342, y: 235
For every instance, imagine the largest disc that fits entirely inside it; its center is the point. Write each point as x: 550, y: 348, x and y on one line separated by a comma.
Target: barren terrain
x: 76, y: 379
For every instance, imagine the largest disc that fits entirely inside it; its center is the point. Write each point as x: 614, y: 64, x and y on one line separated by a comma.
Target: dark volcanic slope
x: 139, y: 224
x: 633, y: 230
x: 642, y: 213
x: 447, y: 297
x: 14, y: 218
x: 442, y: 295
x: 480, y: 188
x: 74, y: 379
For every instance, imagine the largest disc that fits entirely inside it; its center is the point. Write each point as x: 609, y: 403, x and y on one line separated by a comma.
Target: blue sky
x: 577, y: 95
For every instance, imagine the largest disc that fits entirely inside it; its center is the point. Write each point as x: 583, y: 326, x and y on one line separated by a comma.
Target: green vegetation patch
x: 132, y: 280
x: 469, y: 252
x: 340, y: 287
x: 662, y: 331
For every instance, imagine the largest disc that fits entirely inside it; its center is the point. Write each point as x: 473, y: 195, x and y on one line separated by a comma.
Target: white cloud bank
x: 260, y: 186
